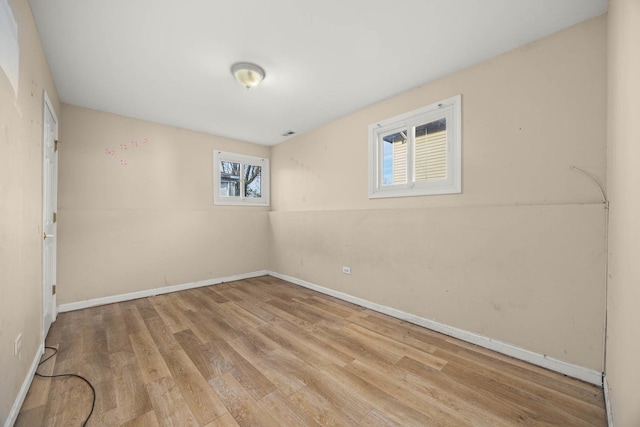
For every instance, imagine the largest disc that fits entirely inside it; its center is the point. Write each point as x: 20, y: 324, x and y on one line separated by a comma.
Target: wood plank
x: 202, y: 401
x: 256, y: 384
x: 296, y: 345
x: 282, y: 409
x: 353, y: 345
x: 324, y: 350
x: 399, y: 348
x: 147, y: 420
x: 377, y: 419
x: 548, y: 405
x: 400, y: 334
x: 210, y: 326
x: 218, y: 357
x: 421, y: 375
x: 116, y: 330
x: 255, y: 293
x: 434, y: 407
x: 298, y: 310
x: 131, y: 395
x: 466, y: 407
x: 161, y: 334
x: 255, y: 342
x: 394, y: 408
x: 208, y: 358
x: 133, y: 320
x: 543, y: 377
x: 249, y: 319
x: 145, y: 308
x: 38, y: 394
x: 95, y: 367
x: 225, y: 420
x: 239, y: 402
x: 339, y: 394
x: 69, y: 403
x: 55, y: 332
x: 30, y: 417
x: 71, y: 341
x: 100, y: 374
x: 255, y: 307
x: 94, y: 335
x: 169, y: 404
x: 210, y: 292
x: 169, y: 312
x: 192, y: 300
x: 320, y: 409
x: 281, y: 369
x: 150, y: 362
x: 285, y: 315
x: 327, y: 306
x: 420, y: 333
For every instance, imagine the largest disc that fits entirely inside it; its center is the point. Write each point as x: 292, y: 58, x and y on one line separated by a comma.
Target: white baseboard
x: 607, y: 401
x: 587, y: 375
x: 156, y: 291
x: 17, y: 404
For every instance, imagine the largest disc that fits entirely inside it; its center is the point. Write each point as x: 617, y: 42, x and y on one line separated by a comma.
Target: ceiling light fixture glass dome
x: 247, y: 74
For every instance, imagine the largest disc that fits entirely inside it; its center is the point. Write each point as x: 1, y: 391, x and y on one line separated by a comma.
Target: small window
x: 417, y: 153
x: 240, y: 180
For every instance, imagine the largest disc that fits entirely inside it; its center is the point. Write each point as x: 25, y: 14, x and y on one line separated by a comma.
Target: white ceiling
x: 169, y: 61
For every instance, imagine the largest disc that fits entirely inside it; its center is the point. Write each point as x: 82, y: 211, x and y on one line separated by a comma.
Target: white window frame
x: 451, y: 110
x: 219, y: 199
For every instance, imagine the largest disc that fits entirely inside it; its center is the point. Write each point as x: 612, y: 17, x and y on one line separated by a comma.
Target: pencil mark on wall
x: 118, y: 155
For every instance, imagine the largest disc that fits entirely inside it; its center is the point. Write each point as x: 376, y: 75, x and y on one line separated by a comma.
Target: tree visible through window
x: 231, y: 179
x: 240, y: 179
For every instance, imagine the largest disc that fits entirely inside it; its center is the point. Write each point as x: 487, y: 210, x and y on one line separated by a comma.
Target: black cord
x: 93, y: 404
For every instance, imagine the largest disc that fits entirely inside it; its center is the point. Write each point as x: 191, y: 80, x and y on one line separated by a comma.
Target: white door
x: 49, y: 207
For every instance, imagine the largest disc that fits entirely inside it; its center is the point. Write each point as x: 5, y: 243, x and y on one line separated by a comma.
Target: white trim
x: 155, y: 291
x: 451, y: 109
x: 607, y: 401
x: 48, y: 106
x: 242, y: 200
x: 53, y: 112
x: 585, y: 374
x: 17, y: 404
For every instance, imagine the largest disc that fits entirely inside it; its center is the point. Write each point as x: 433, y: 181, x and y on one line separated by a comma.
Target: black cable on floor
x: 93, y: 404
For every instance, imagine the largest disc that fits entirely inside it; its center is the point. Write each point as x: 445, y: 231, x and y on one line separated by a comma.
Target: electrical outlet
x: 346, y: 270
x: 17, y: 346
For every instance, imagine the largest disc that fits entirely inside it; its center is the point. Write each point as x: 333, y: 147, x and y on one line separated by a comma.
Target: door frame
x: 46, y: 291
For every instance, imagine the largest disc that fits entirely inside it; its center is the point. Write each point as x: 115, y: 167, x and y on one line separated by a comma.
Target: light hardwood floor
x: 266, y: 352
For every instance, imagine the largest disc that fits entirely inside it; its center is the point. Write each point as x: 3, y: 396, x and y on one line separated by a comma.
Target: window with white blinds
x: 417, y: 153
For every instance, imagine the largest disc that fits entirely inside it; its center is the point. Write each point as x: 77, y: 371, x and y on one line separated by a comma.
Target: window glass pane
x: 431, y: 151
x: 394, y: 158
x: 229, y: 179
x: 252, y: 181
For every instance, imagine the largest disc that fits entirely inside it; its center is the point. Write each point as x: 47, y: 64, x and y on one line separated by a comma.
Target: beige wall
x: 519, y: 255
x: 21, y: 207
x: 149, y: 223
x: 623, y: 334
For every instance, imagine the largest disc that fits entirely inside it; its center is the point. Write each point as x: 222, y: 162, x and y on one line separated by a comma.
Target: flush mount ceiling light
x: 247, y: 74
